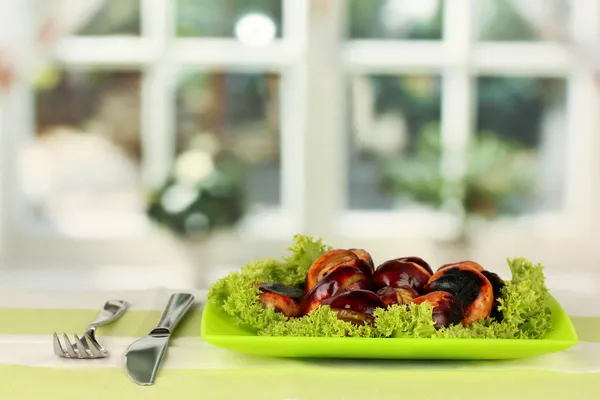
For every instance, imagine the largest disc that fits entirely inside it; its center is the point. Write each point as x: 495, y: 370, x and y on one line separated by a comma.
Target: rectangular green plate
x: 218, y: 329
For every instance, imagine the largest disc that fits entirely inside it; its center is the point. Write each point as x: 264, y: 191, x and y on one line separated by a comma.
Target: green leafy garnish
x: 398, y: 321
x: 320, y: 322
x: 237, y: 294
x: 523, y: 304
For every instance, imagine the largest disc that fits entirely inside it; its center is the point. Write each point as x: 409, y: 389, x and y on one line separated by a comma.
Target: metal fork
x: 87, y: 346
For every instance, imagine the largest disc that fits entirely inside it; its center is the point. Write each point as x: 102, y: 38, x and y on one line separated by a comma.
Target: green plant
x: 203, y: 192
x: 497, y: 178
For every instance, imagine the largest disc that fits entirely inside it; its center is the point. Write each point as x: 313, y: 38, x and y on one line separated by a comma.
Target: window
x: 360, y: 121
x: 114, y: 17
x: 80, y: 175
x: 205, y: 18
x: 395, y: 123
x: 505, y: 20
x: 520, y: 141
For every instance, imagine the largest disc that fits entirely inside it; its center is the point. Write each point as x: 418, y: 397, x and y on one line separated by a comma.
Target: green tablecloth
x: 195, y: 369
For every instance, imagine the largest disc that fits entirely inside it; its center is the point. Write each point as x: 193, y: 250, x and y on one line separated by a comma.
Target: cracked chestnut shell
x: 358, y: 263
x: 356, y: 306
x: 365, y: 256
x: 497, y: 285
x: 281, y: 297
x: 466, y: 263
x: 342, y: 279
x: 446, y: 308
x: 327, y: 263
x: 353, y: 317
x: 470, y: 287
x: 401, y: 295
x: 396, y: 273
x: 418, y: 261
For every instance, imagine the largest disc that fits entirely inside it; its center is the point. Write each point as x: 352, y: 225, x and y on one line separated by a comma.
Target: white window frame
x: 313, y: 59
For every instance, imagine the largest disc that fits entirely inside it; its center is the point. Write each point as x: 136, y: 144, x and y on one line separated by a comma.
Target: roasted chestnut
x: 281, y: 297
x: 353, y: 317
x: 366, y: 257
x: 470, y: 287
x: 446, y: 308
x: 466, y: 263
x: 326, y: 263
x: 343, y: 278
x: 360, y: 264
x: 355, y: 306
x: 401, y: 295
x: 418, y: 261
x: 397, y: 273
x: 497, y: 285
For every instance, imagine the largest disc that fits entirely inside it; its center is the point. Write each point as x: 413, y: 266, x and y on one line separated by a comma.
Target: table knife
x: 144, y: 356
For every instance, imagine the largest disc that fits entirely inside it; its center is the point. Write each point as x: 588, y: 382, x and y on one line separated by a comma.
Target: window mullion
x: 391, y: 57
x: 105, y: 52
x: 158, y: 136
x: 457, y: 98
x: 324, y: 158
x: 583, y: 101
x: 313, y: 145
x: 294, y: 112
x: 16, y: 131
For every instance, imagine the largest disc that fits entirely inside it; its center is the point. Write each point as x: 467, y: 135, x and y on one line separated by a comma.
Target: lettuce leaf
x: 237, y: 294
x: 399, y: 321
x: 320, y: 322
x: 523, y: 304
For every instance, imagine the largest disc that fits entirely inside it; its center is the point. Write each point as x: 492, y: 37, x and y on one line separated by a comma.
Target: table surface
x: 194, y: 368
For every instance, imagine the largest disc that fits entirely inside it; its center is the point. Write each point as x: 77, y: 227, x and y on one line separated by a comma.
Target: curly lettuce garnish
x: 237, y: 294
x: 320, y: 322
x: 399, y: 321
x: 523, y: 304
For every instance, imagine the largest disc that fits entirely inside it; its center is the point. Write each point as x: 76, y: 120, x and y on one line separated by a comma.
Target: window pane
x: 530, y: 20
x: 80, y: 173
x: 251, y: 21
x: 517, y: 160
x: 227, y: 146
x: 114, y: 17
x: 394, y: 142
x: 395, y: 19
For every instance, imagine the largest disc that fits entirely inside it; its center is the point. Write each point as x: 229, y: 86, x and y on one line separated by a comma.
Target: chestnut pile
x: 347, y: 281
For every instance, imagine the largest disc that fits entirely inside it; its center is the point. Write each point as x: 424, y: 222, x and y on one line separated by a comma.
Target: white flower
x: 193, y: 166
x: 179, y: 197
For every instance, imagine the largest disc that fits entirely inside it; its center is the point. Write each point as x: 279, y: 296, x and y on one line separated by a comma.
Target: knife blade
x: 144, y: 356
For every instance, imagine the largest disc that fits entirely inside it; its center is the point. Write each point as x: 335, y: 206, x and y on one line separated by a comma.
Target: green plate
x: 218, y: 329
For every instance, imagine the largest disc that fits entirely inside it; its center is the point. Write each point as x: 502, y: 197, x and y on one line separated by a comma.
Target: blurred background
x: 169, y: 142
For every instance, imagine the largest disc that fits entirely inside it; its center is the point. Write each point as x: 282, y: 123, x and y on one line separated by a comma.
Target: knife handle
x: 178, y: 305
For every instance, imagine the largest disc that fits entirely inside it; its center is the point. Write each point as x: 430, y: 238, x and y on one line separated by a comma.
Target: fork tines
x: 83, y: 348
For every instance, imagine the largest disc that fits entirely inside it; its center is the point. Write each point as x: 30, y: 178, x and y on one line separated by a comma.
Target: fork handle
x: 178, y: 305
x: 112, y: 310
